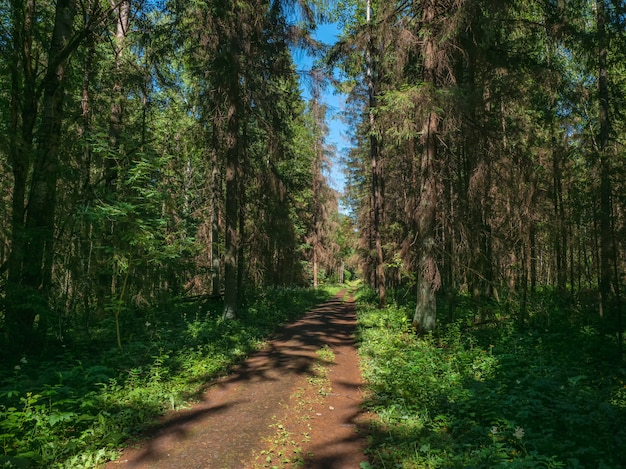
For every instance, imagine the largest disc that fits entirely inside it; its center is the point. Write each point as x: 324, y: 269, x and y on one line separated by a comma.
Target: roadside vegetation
x: 484, y: 393
x: 75, y: 409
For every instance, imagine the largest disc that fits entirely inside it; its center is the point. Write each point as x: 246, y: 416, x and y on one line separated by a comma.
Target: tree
x: 33, y: 241
x: 485, y: 123
x: 429, y: 279
x: 106, y: 165
x: 377, y: 193
x: 606, y: 226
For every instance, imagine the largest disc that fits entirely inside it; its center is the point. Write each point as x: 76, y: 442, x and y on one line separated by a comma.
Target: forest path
x: 292, y: 404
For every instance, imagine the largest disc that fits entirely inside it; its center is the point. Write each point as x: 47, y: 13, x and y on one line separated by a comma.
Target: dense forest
x: 152, y: 151
x: 158, y: 157
x: 490, y: 157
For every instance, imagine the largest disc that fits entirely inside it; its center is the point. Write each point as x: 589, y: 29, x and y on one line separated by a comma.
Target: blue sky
x: 328, y: 34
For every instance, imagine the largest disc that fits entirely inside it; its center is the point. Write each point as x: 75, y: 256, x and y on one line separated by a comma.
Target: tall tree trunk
x: 606, y: 231
x: 37, y: 257
x: 23, y: 112
x: 241, y: 219
x: 85, y: 240
x: 215, y: 225
x: 376, y: 174
x: 105, y: 271
x: 560, y: 236
x: 318, y: 156
x: 523, y: 313
x: 122, y: 11
x: 23, y: 109
x: 429, y: 280
x: 315, y: 265
x: 241, y: 251
x: 232, y: 198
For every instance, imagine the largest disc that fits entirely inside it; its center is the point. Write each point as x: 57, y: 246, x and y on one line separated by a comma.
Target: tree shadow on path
x: 235, y: 414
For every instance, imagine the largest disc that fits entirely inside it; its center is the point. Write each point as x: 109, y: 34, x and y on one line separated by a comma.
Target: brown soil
x: 291, y: 405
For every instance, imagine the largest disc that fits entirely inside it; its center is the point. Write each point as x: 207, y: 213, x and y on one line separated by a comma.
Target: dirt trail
x: 273, y: 408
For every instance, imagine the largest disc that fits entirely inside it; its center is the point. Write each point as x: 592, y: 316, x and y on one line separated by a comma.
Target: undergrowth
x: 490, y: 395
x: 75, y: 409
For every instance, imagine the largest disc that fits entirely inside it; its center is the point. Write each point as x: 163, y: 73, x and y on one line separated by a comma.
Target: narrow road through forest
x: 293, y: 404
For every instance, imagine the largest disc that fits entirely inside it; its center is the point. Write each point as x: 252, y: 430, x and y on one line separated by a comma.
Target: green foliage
x: 492, y: 396
x: 75, y: 410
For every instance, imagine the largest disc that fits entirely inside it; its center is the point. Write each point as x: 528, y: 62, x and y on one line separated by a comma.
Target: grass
x: 491, y: 395
x: 75, y: 409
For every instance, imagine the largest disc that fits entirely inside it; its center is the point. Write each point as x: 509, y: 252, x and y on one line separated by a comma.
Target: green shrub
x: 483, y: 396
x: 75, y: 410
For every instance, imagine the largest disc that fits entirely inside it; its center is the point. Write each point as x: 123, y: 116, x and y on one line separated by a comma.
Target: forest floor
x: 297, y: 403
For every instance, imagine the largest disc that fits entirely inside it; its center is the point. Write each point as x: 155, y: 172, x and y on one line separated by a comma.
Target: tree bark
x: 232, y: 184
x: 318, y: 156
x: 241, y: 223
x: 606, y: 231
x: 377, y: 193
x: 560, y: 236
x: 216, y: 286
x: 23, y: 111
x: 429, y: 280
x: 105, y: 271
x: 36, y: 269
